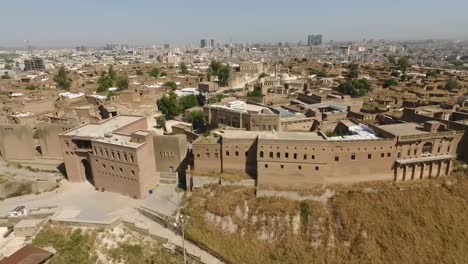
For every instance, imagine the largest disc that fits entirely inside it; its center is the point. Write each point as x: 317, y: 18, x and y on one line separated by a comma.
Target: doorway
x: 87, y: 171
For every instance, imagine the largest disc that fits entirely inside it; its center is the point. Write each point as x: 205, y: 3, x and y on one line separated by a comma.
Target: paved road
x: 81, y: 202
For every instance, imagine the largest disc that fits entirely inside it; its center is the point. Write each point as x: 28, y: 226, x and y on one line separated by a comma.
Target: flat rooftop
x: 118, y: 139
x: 244, y: 134
x: 207, y: 140
x: 357, y: 132
x: 241, y: 106
x: 404, y: 129
x: 292, y: 136
x: 94, y: 130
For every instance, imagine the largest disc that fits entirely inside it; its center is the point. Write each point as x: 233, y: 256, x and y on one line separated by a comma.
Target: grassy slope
x: 81, y: 246
x: 418, y: 222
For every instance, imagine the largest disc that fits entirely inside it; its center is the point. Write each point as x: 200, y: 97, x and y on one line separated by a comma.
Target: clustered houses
x: 399, y: 151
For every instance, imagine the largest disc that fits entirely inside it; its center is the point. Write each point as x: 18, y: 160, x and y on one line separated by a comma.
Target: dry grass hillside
x: 96, y: 246
x: 411, y: 222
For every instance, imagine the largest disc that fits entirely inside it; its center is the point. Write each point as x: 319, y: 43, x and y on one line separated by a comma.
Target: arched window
x: 427, y: 148
x: 261, y: 154
x: 271, y: 154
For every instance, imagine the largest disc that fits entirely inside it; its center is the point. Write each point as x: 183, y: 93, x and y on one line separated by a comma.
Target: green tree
x: 223, y: 75
x: 353, y: 71
x: 216, y: 98
x: 404, y: 77
x: 154, y: 73
x: 6, y: 76
x: 31, y: 87
x: 169, y: 105
x: 353, y: 74
x: 110, y: 94
x: 355, y: 88
x: 121, y: 82
x: 111, y: 72
x: 262, y: 75
x: 322, y: 74
x: 171, y: 85
x: 62, y: 79
x: 197, y: 119
x: 404, y: 64
x: 163, y: 74
x: 189, y: 101
x: 395, y: 74
x: 214, y: 68
x: 389, y: 82
x: 104, y: 83
x: 110, y: 79
x: 255, y: 93
x: 430, y: 74
x: 220, y: 70
x: 451, y: 84
x: 183, y: 68
x: 160, y: 121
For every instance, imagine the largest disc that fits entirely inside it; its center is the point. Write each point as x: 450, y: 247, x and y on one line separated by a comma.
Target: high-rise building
x: 314, y: 40
x: 203, y: 43
x: 34, y: 64
x: 81, y: 48
x: 167, y: 46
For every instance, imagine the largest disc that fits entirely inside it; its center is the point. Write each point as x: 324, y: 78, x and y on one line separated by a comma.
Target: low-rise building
x: 120, y: 155
x: 239, y: 114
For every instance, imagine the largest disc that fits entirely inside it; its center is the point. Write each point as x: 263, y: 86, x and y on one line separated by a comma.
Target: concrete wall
x: 124, y: 169
x: 113, y: 172
x: 18, y: 188
x: 16, y: 142
x: 296, y: 124
x: 73, y: 160
x: 140, y: 124
x: 208, y: 158
x: 169, y: 152
x: 49, y: 140
x: 201, y: 181
x: 239, y: 156
x: 148, y: 176
x: 299, y: 164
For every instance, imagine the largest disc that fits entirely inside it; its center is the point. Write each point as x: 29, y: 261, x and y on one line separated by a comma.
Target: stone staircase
x: 168, y: 178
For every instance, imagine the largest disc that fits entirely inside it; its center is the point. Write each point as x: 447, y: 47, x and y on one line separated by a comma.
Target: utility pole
x: 180, y: 223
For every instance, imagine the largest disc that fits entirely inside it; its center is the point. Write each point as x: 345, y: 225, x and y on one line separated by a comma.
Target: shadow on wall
x: 251, y: 160
x: 62, y: 170
x: 182, y: 169
x: 87, y: 170
x: 39, y: 150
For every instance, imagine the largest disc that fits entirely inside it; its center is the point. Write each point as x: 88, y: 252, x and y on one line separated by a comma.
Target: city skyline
x: 54, y: 23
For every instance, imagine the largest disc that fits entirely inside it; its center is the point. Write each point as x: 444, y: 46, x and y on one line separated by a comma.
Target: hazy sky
x: 136, y: 22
